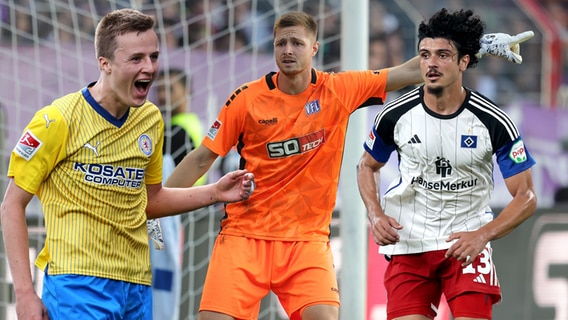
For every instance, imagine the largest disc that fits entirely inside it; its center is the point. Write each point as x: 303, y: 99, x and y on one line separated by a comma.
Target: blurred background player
x: 183, y: 133
x: 184, y: 130
x: 434, y: 223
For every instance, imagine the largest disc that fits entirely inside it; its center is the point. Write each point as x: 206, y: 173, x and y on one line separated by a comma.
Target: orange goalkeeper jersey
x: 294, y: 146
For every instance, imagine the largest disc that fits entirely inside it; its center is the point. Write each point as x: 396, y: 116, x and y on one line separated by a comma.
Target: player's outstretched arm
x: 232, y: 187
x: 235, y: 186
x: 404, y: 75
x: 504, y: 46
x: 499, y: 45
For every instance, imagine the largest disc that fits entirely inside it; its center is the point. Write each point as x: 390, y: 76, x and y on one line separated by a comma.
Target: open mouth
x: 142, y: 85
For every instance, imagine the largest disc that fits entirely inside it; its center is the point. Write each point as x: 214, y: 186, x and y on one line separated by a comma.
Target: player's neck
x: 107, y: 100
x: 446, y: 102
x: 295, y: 83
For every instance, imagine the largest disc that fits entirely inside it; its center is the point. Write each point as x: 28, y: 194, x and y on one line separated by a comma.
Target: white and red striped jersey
x: 445, y: 166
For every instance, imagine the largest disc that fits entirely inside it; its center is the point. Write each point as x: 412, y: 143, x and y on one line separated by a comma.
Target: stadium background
x: 46, y: 51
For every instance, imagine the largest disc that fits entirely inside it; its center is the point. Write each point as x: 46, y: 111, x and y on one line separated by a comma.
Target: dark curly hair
x: 461, y: 27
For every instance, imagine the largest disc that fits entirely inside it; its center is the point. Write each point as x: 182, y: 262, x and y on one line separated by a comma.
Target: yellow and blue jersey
x: 89, y: 171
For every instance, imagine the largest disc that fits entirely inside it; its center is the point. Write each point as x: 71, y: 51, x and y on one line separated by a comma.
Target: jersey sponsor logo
x: 312, y: 107
x: 444, y: 186
x: 48, y: 121
x: 468, y: 141
x: 296, y: 146
x: 93, y: 148
x: 414, y: 139
x: 110, y: 175
x: 268, y: 122
x: 145, y: 144
x: 28, y: 145
x: 518, y: 153
x: 214, y: 129
x: 370, y: 141
x: 443, y: 167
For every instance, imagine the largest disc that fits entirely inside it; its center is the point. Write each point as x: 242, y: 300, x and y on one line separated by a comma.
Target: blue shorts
x: 83, y: 297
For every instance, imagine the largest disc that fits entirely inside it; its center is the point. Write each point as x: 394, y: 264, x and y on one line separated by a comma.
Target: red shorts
x: 242, y: 271
x: 415, y: 283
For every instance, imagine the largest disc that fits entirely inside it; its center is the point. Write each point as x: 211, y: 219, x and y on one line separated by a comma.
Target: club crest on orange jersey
x: 312, y: 107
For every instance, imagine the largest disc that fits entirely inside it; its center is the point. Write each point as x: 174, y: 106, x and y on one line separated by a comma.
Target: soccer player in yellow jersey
x: 94, y: 160
x: 289, y: 129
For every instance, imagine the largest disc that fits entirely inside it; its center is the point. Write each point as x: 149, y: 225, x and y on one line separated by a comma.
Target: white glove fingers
x: 517, y: 58
x: 522, y: 37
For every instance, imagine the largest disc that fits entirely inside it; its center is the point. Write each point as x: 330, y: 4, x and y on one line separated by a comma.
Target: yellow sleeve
x: 40, y: 148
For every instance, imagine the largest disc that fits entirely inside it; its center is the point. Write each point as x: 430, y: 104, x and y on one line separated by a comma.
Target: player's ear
x: 315, y: 48
x: 464, y: 62
x: 104, y: 64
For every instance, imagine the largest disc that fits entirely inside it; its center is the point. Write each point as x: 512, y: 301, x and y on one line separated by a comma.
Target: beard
x: 289, y: 71
x: 435, y: 90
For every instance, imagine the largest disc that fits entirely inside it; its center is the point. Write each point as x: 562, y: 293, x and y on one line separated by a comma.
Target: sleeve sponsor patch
x: 214, y: 129
x: 518, y: 153
x: 28, y: 145
x: 370, y: 141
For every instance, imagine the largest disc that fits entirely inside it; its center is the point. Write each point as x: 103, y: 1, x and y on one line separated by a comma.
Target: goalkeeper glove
x: 503, y: 46
x: 155, y: 233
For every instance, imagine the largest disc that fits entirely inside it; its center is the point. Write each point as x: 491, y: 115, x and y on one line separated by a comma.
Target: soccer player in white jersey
x: 434, y: 223
x: 94, y: 160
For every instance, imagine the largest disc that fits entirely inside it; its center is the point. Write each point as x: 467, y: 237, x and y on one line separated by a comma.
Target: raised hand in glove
x: 503, y: 46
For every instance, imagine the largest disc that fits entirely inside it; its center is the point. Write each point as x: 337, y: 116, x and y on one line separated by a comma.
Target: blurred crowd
x: 245, y: 26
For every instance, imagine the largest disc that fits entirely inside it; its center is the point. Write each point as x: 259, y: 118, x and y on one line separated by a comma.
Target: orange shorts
x: 242, y: 271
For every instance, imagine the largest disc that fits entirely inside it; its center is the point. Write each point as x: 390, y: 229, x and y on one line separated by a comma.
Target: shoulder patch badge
x: 28, y: 145
x: 518, y: 153
x: 214, y: 129
x: 370, y: 141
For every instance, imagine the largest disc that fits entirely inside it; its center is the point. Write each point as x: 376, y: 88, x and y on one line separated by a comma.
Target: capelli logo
x: 268, y: 122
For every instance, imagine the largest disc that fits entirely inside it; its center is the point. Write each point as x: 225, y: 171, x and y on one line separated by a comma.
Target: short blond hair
x: 297, y: 18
